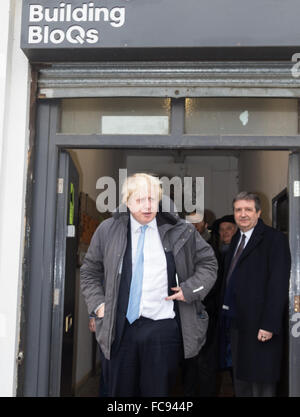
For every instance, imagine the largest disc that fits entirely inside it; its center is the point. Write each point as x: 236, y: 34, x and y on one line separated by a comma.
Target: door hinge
x: 68, y: 323
x: 296, y: 188
x: 71, y: 230
x: 56, y: 295
x: 297, y: 303
x: 60, y: 185
x: 20, y: 358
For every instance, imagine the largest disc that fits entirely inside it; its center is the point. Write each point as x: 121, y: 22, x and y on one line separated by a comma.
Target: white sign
x: 41, y: 20
x: 135, y: 125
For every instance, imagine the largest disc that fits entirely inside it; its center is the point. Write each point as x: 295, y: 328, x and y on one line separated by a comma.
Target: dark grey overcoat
x: 195, y: 263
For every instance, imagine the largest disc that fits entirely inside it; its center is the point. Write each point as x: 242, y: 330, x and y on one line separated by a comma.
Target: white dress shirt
x: 155, y: 280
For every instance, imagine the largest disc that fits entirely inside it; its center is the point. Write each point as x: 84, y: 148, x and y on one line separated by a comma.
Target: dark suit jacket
x: 261, y: 294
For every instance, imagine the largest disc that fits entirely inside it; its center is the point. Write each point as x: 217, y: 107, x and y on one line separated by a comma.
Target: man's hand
x: 92, y: 325
x: 177, y: 296
x: 100, y: 311
x: 264, y: 335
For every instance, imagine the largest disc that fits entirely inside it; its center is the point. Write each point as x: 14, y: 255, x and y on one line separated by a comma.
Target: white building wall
x: 14, y: 108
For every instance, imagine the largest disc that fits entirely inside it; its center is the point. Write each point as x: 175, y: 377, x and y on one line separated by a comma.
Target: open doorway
x: 225, y: 173
x: 176, y: 137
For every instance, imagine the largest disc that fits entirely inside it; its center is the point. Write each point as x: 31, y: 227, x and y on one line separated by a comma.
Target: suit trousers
x: 246, y: 388
x: 146, y: 361
x: 199, y: 374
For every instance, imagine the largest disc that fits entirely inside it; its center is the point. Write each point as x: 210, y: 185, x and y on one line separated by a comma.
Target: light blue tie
x: 133, y: 310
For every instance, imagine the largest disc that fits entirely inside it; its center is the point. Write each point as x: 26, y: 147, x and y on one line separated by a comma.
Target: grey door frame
x: 60, y: 268
x: 39, y: 276
x: 58, y: 284
x: 294, y: 296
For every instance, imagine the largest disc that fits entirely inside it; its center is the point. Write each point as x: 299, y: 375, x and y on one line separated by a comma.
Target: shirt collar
x: 135, y: 225
x: 247, y: 234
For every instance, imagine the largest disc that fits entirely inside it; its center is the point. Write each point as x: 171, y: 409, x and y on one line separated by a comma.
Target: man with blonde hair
x: 145, y: 275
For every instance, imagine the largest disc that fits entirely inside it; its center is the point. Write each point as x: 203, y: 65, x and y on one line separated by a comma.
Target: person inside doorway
x: 200, y: 221
x: 223, y: 231
x: 225, y: 228
x: 200, y: 373
x: 128, y: 278
x: 256, y: 283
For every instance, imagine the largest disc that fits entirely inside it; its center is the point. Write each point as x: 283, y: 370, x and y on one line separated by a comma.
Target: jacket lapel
x: 254, y: 240
x: 127, y: 260
x: 231, y: 251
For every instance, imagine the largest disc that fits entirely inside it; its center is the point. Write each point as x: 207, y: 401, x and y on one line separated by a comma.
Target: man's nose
x: 147, y: 204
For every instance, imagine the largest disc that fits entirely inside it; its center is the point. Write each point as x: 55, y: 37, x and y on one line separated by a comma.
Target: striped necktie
x: 236, y: 257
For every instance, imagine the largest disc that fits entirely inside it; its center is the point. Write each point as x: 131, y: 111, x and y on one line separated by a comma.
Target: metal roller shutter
x: 169, y: 79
